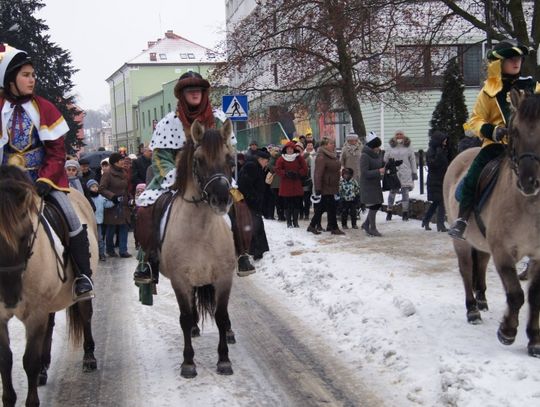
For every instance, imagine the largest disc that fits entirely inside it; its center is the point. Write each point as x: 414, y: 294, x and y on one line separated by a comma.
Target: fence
x: 271, y: 133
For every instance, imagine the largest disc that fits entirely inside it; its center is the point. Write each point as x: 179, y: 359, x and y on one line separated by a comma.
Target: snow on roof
x: 174, y: 49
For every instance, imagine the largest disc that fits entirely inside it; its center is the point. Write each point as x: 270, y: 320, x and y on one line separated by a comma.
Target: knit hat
x: 91, y: 182
x: 507, y: 49
x: 132, y: 156
x: 351, y: 136
x: 140, y: 187
x: 372, y: 141
x: 262, y: 153
x: 104, y: 161
x: 114, y: 158
x: 84, y: 161
x: 72, y: 163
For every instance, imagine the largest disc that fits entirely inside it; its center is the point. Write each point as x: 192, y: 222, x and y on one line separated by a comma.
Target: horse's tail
x: 75, y: 324
x: 206, y: 301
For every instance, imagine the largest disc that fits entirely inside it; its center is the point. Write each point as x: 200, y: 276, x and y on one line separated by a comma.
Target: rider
x: 168, y: 138
x: 490, y: 117
x: 32, y: 137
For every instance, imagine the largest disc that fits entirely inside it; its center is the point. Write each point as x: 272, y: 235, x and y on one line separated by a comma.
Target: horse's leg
x: 46, y: 355
x: 480, y: 262
x: 533, y: 330
x: 188, y: 368
x: 223, y: 323
x: 195, y: 331
x: 36, y: 328
x: 465, y: 262
x: 6, y: 362
x: 515, y: 298
x: 89, y: 360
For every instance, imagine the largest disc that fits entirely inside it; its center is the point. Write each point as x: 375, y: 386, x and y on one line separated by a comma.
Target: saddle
x: 56, y: 220
x: 147, y: 230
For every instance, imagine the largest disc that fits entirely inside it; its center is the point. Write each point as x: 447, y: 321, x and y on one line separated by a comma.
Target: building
x: 163, y: 61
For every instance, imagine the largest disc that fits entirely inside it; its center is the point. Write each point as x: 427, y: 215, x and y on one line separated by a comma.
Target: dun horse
x: 31, y: 286
x: 197, y: 253
x: 512, y: 221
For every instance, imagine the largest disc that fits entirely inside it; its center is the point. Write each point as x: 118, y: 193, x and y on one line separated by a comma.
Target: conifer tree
x: 21, y: 29
x: 451, y: 112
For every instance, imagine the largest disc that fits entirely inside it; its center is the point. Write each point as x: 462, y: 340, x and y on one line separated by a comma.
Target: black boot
x: 458, y: 228
x: 372, y: 215
x: 79, y: 248
x: 245, y: 268
x: 365, y: 225
x: 389, y: 214
x: 288, y: 215
x: 425, y: 224
x: 405, y: 216
x: 296, y: 212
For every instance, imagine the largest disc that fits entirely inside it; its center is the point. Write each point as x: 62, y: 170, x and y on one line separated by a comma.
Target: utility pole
x: 488, y: 13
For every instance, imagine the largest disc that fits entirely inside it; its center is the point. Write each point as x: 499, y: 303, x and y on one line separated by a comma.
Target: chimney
x: 169, y: 34
x: 153, y: 56
x: 151, y: 43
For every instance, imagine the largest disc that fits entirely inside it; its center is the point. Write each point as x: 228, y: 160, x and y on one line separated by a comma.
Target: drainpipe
x: 115, y: 114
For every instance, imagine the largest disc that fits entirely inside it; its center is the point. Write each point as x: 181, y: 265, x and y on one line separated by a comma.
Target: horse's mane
x: 211, y: 145
x: 529, y: 109
x: 17, y: 197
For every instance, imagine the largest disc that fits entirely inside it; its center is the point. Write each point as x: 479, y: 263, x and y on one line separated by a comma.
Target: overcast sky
x: 103, y: 34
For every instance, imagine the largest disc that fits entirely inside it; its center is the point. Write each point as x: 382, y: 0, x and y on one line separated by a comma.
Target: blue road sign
x: 236, y: 107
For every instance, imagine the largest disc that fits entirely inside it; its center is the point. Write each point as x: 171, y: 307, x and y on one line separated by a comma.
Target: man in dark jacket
x: 251, y: 184
x: 139, y: 167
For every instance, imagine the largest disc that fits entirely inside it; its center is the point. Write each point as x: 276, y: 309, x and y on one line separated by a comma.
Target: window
x: 149, y: 118
x: 153, y: 56
x: 169, y: 107
x: 155, y: 113
x: 183, y: 56
x: 210, y: 55
x: 424, y: 66
x: 161, y: 107
x: 163, y: 56
x: 191, y: 56
x: 143, y: 123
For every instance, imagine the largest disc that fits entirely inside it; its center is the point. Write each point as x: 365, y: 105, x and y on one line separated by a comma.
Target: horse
x: 197, y: 252
x: 512, y: 224
x: 34, y: 282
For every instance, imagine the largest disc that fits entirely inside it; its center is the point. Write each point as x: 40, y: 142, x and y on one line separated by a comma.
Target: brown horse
x: 512, y: 220
x: 197, y: 253
x: 34, y: 284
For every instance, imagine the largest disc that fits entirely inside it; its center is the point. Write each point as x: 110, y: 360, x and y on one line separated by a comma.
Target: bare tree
x: 333, y: 51
x: 501, y: 20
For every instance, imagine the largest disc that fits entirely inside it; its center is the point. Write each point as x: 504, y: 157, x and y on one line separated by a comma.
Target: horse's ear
x: 226, y: 130
x: 197, y: 131
x: 516, y: 98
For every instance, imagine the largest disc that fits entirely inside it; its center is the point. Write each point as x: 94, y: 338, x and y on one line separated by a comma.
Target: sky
x: 102, y: 35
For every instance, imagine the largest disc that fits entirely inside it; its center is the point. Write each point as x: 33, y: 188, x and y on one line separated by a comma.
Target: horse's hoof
x: 195, y: 332
x: 482, y: 305
x: 89, y: 364
x: 188, y: 371
x: 224, y: 368
x: 231, y: 340
x: 42, y: 378
x: 505, y: 339
x: 534, y: 350
x: 474, y: 317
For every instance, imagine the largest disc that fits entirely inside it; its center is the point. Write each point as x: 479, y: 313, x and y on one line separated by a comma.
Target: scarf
x: 187, y: 114
x: 289, y: 157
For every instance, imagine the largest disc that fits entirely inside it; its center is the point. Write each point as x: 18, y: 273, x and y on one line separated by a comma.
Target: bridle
x: 22, y: 266
x: 515, y: 159
x: 204, y: 183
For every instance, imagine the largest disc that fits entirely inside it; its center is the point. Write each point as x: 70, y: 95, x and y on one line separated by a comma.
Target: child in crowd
x: 139, y: 189
x: 100, y: 203
x: 73, y: 170
x: 349, y: 192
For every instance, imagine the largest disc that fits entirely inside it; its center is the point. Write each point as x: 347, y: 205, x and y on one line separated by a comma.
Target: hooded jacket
x: 405, y: 153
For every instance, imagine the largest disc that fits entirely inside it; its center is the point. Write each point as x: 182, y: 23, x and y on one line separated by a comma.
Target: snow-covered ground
x: 394, y: 308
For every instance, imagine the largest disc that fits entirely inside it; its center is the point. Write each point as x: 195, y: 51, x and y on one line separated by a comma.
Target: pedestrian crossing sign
x: 236, y: 107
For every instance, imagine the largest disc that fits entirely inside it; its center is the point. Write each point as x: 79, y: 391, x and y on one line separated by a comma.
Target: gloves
x: 117, y: 199
x: 318, y: 192
x: 499, y: 133
x: 415, y: 177
x: 42, y: 188
x: 291, y: 174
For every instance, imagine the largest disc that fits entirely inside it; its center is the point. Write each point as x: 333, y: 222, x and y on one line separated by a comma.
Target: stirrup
x: 88, y: 295
x: 144, y: 280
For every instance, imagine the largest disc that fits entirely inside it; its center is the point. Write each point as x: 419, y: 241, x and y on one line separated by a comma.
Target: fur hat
x: 507, y: 49
x: 372, y: 141
x: 190, y: 80
x: 262, y: 153
x: 72, y: 163
x: 351, y: 136
x: 115, y: 157
x: 140, y: 187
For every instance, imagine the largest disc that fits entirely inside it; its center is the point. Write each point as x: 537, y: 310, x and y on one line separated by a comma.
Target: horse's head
x: 524, y: 137
x: 212, y: 163
x: 17, y: 200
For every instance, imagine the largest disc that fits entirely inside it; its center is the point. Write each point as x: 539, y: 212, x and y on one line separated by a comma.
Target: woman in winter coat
x: 400, y: 149
x: 326, y: 184
x: 114, y: 186
x: 437, y: 162
x: 291, y: 167
x: 350, y: 155
x: 371, y: 172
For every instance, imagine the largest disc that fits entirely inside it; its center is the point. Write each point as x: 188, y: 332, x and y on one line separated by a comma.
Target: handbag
x: 390, y: 182
x: 269, y: 178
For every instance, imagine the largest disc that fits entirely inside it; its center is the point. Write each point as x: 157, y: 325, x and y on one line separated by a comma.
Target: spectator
x: 252, y: 148
x: 114, y: 186
x: 291, y: 167
x: 86, y: 172
x: 309, y: 157
x: 371, y: 172
x: 100, y: 203
x: 437, y: 163
x: 400, y: 149
x: 140, y: 166
x: 73, y: 170
x: 326, y: 183
x: 350, y: 155
x: 349, y: 191
x: 274, y: 186
x: 251, y: 184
